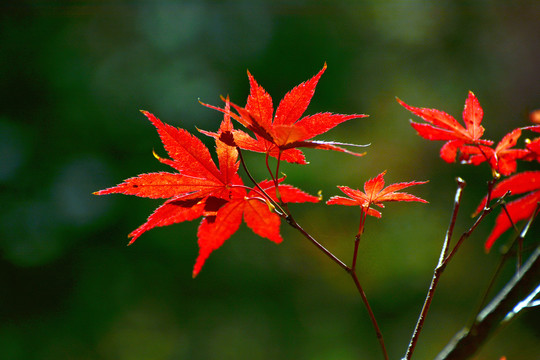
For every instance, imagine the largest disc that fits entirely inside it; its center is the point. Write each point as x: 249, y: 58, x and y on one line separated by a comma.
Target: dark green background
x: 73, y: 77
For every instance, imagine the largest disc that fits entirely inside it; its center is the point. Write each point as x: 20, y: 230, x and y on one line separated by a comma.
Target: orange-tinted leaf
x: 534, y: 116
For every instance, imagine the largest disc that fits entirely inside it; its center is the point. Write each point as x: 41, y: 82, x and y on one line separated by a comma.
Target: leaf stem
x: 276, y: 204
x: 268, y: 168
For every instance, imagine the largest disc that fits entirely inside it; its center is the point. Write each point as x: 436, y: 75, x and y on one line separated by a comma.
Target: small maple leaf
x: 281, y: 135
x: 502, y: 159
x: 200, y: 189
x: 442, y: 126
x: 375, y: 194
x: 519, y: 209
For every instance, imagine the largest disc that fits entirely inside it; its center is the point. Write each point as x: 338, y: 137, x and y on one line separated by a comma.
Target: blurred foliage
x: 74, y: 75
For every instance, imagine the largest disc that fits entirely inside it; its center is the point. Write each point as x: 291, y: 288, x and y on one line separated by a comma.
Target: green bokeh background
x: 73, y: 77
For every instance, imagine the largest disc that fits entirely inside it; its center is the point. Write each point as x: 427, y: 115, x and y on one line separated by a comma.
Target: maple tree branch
x: 485, y: 212
x: 352, y: 272
x: 292, y: 222
x: 370, y: 312
x: 467, y: 341
x: 505, y: 256
x: 441, y: 265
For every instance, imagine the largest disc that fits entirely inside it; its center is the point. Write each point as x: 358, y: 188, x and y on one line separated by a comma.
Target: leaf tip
x: 159, y: 158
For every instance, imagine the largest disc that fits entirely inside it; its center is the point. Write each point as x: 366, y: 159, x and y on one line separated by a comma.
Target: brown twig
x: 437, y: 272
x: 467, y: 341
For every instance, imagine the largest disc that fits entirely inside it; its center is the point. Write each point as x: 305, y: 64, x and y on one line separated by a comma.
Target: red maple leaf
x: 442, y: 126
x: 201, y: 189
x: 197, y: 177
x: 374, y: 194
x: 214, y: 230
x: 502, y: 159
x: 533, y: 146
x: 519, y: 209
x: 281, y: 134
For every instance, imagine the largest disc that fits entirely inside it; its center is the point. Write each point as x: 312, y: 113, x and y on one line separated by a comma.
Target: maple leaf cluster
x: 502, y: 159
x: 281, y: 135
x: 200, y: 188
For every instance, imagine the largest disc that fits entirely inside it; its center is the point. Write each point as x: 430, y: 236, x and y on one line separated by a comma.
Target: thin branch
x: 285, y: 213
x: 437, y: 272
x: 526, y: 303
x: 290, y: 220
x: 371, y: 314
x: 465, y: 235
x: 350, y: 270
x: 505, y: 256
x: 467, y: 341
